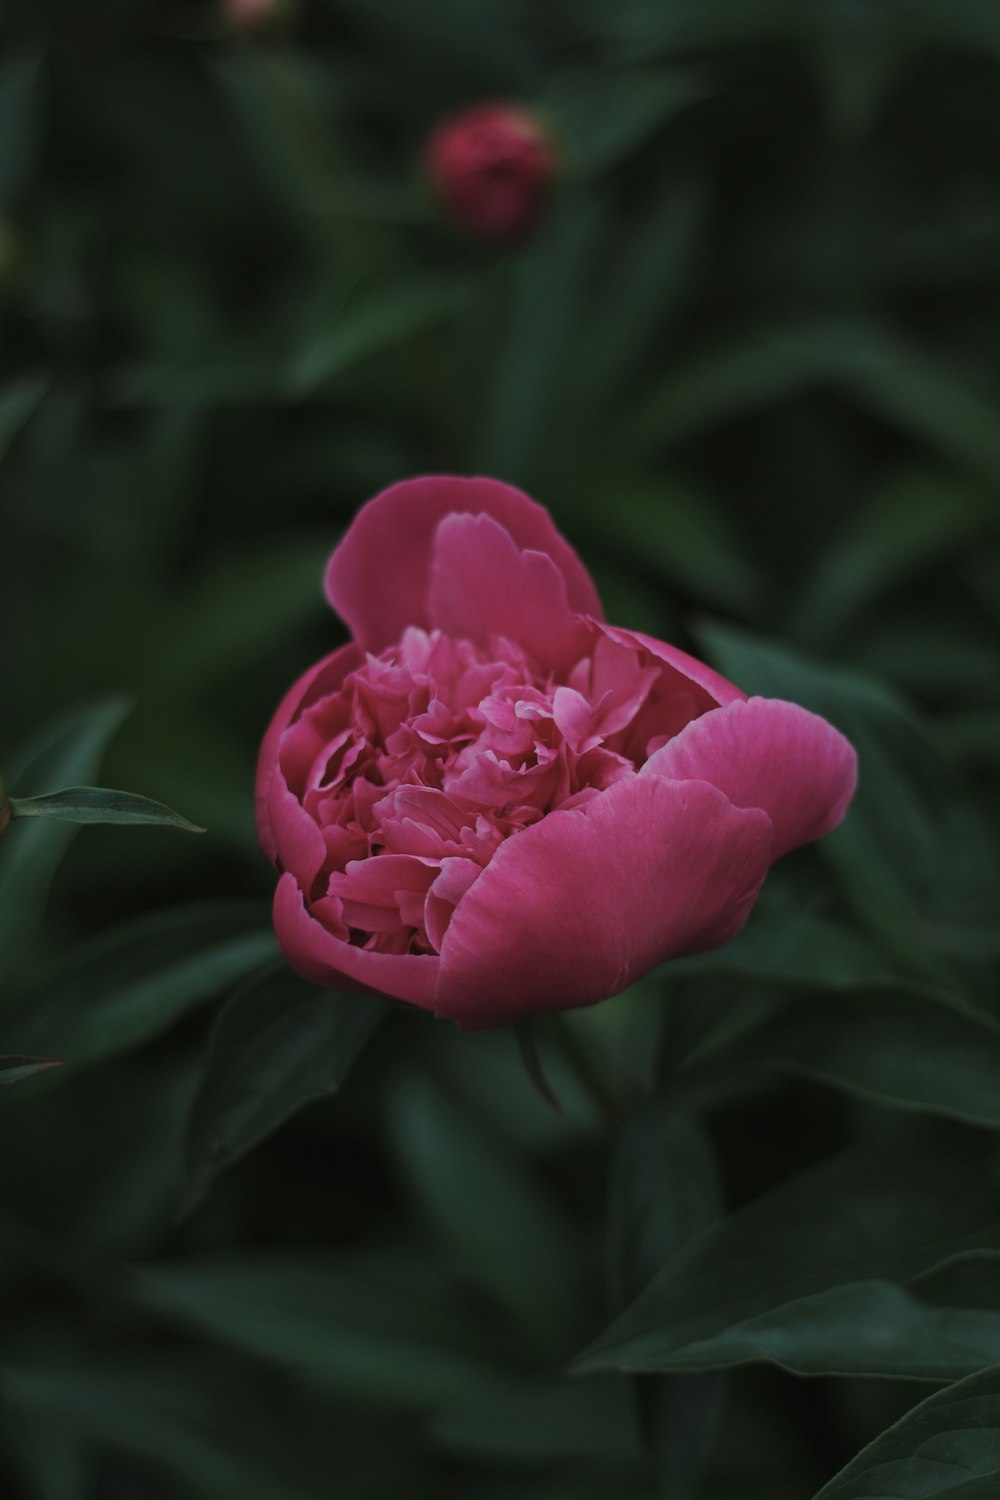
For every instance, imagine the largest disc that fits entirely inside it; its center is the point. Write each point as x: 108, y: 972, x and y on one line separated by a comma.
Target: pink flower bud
x: 492, y: 166
x: 253, y: 15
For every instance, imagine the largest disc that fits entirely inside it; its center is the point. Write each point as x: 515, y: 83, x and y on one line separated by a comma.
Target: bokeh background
x: 751, y: 361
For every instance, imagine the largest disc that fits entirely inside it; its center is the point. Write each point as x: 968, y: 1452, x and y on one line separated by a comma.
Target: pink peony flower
x: 491, y: 803
x: 491, y: 166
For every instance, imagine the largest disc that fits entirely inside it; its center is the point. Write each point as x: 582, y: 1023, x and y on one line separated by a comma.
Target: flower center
x: 435, y: 752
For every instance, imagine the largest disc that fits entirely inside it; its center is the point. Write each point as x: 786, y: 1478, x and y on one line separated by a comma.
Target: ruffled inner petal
x: 483, y: 586
x: 409, y: 778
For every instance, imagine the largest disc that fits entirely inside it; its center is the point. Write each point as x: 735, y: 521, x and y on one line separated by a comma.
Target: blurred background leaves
x: 751, y: 360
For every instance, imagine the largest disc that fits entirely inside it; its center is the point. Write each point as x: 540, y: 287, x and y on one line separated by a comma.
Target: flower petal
x: 483, y: 585
x: 378, y: 579
x: 717, y: 688
x: 573, y: 909
x: 326, y: 960
x: 323, y: 677
x: 384, y: 894
x: 770, y: 754
x: 299, y: 845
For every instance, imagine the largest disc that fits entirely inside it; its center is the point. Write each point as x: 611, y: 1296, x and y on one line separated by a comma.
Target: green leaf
x: 277, y: 1045
x: 934, y: 402
x: 906, y: 525
x: 815, y: 1276
x: 505, y: 1231
x: 719, y: 384
x: 785, y: 949
x: 972, y: 738
x: 982, y: 573
x: 529, y: 388
x: 664, y: 1190
x: 487, y: 47
x: 642, y: 28
x: 794, y: 948
x: 126, y: 1124
x: 681, y: 533
x: 97, y: 804
x: 213, y: 634
x: 654, y: 265
x: 13, y: 1069
x: 194, y: 1422
x: 78, y: 739
x: 374, y: 320
x: 930, y: 657
x: 893, y: 1049
x: 29, y: 855
x: 478, y: 1069
x: 544, y: 1420
x: 19, y: 120
x: 527, y: 1047
x: 196, y: 760
x: 278, y: 108
x: 134, y: 1411
x: 858, y: 72
x: 965, y: 23
x: 247, y: 375
x: 386, y: 1329
x: 604, y: 116
x: 50, y: 1459
x: 616, y: 1049
x: 905, y: 386
x: 948, y: 1446
x: 137, y: 980
x: 912, y: 856
x: 18, y: 402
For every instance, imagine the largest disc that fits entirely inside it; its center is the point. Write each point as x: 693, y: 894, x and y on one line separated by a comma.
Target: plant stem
x: 586, y: 1071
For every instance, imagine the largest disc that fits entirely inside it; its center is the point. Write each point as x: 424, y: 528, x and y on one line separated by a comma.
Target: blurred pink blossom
x: 491, y: 166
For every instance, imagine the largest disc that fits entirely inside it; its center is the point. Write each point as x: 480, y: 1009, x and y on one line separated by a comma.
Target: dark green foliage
x: 946, y: 1446
x: 263, y: 1242
x: 278, y: 1044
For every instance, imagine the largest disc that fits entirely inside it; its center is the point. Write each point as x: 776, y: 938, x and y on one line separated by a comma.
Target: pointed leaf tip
x: 527, y: 1046
x: 95, y: 804
x: 13, y: 1068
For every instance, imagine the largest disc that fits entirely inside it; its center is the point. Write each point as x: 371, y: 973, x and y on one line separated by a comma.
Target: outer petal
x: 299, y: 845
x: 317, y: 955
x: 482, y: 584
x: 322, y: 678
x: 576, y: 907
x: 770, y: 754
x: 696, y: 671
x: 378, y: 579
